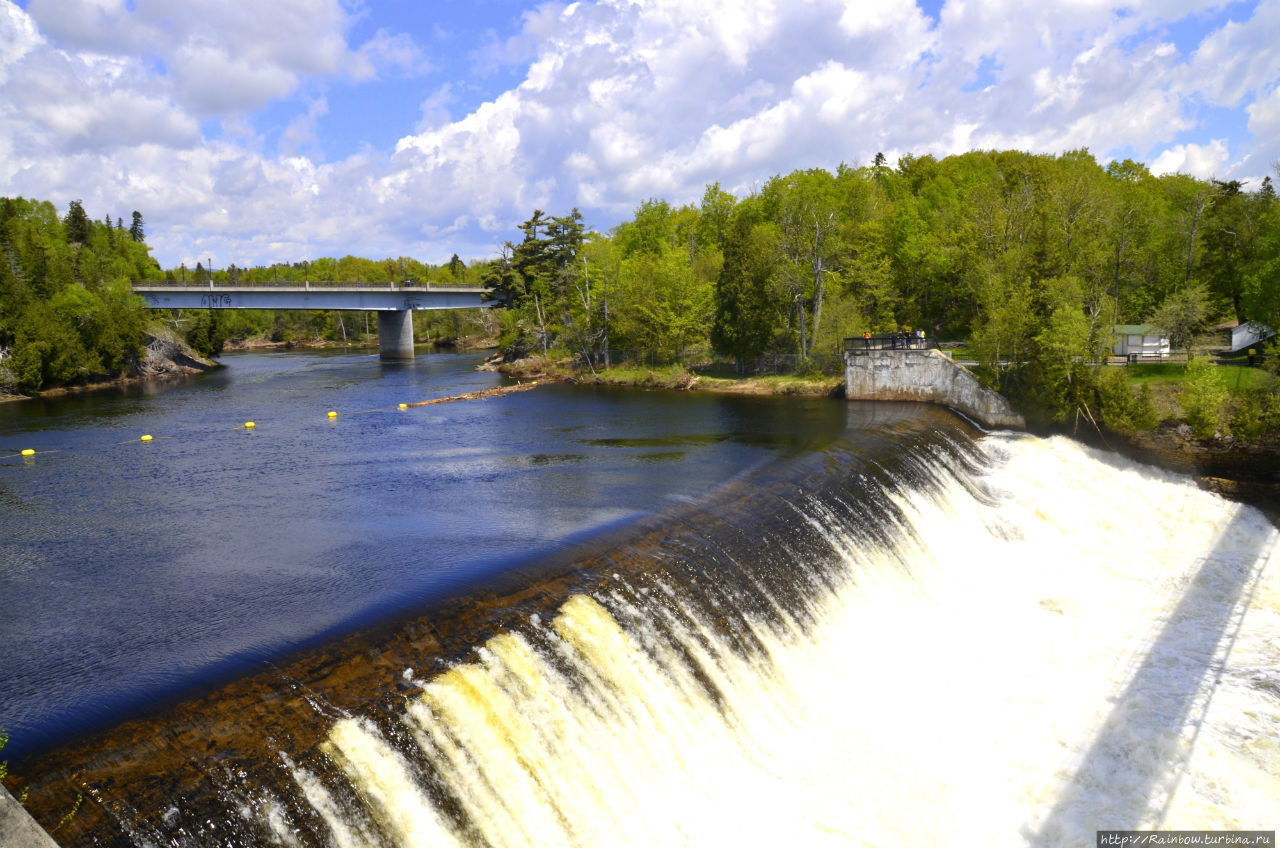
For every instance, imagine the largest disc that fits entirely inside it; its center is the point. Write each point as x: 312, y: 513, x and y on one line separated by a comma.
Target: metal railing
x: 889, y: 341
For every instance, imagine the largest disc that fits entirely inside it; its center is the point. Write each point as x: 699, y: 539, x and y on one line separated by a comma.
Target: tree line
x: 1030, y: 258
x: 67, y: 313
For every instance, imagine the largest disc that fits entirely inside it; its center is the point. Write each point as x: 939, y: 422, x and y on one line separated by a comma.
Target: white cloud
x: 58, y: 102
x: 302, y: 132
x: 218, y: 56
x: 210, y: 80
x: 620, y: 101
x: 1240, y: 58
x: 435, y: 109
x: 1198, y: 160
x: 1264, y: 123
x: 388, y: 52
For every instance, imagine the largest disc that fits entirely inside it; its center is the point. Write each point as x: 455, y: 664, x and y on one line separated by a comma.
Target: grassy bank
x: 1231, y: 377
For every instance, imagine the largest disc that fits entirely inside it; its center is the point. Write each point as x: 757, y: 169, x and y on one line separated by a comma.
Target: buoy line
x: 482, y: 394
x: 144, y: 439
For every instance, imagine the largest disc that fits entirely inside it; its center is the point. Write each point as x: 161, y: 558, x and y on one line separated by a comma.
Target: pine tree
x: 744, y: 318
x: 76, y: 223
x: 135, y: 229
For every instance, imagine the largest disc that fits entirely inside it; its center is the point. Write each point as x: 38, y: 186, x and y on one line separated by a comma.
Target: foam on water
x: 1062, y: 643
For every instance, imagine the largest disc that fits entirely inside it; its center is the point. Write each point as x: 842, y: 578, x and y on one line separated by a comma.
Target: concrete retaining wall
x: 928, y: 376
x: 17, y: 828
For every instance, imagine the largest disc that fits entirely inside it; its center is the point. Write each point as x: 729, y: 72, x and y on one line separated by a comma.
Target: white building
x: 1247, y: 334
x: 1141, y: 341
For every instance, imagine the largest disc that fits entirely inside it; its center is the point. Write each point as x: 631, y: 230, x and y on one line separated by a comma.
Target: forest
x: 1029, y: 260
x: 67, y: 313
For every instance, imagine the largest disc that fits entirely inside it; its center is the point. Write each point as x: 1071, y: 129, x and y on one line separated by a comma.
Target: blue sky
x: 290, y: 129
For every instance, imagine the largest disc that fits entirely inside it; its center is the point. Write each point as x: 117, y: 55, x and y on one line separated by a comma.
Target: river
x: 589, y: 616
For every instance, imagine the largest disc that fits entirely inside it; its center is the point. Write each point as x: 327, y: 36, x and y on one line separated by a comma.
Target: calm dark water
x: 130, y: 571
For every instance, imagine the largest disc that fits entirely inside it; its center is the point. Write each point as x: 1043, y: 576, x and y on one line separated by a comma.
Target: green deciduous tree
x: 1183, y: 316
x: 806, y: 206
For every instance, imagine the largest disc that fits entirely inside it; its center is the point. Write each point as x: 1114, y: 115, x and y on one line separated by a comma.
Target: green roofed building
x: 1140, y: 341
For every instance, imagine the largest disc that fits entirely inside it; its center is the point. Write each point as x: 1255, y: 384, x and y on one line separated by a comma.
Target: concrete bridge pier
x: 395, y: 334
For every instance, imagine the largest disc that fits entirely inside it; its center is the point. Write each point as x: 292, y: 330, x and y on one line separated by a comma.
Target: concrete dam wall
x: 928, y: 376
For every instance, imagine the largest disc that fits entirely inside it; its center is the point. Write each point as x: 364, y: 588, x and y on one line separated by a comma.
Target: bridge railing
x: 889, y: 341
x: 299, y: 284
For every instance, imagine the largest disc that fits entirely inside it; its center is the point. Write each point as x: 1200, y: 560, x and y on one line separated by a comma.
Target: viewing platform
x: 889, y: 341
x: 906, y: 366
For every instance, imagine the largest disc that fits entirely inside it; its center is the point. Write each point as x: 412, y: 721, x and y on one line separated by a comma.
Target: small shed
x: 1140, y: 341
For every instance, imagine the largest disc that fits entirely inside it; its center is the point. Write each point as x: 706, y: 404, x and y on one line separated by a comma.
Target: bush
x: 1115, y: 399
x: 1145, y: 415
x: 1120, y: 407
x: 1203, y: 398
x: 1248, y: 421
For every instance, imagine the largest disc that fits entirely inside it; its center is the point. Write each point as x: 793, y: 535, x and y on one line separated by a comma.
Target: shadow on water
x: 1141, y: 754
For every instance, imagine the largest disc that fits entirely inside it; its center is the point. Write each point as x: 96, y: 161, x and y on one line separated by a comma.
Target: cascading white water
x: 1080, y: 644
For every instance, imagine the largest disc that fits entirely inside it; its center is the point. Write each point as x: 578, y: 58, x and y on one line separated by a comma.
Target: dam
x: 861, y: 623
x: 904, y: 368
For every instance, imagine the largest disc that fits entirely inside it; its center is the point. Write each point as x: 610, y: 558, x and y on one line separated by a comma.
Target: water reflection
x: 133, y: 569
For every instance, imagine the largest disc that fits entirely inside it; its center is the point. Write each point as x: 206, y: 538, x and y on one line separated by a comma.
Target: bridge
x: 394, y: 303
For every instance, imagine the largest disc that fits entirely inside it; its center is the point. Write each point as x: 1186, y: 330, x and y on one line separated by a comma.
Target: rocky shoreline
x: 166, y: 357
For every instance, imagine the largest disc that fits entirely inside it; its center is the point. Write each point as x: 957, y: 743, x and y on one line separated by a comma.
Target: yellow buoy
x: 333, y: 414
x: 28, y: 452
x: 248, y: 425
x: 404, y: 406
x: 145, y: 439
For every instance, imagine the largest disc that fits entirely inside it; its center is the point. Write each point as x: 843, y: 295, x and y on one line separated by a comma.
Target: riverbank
x: 1245, y: 471
x: 165, y: 357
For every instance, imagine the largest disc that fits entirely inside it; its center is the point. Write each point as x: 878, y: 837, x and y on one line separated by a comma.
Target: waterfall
x: 932, y: 640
